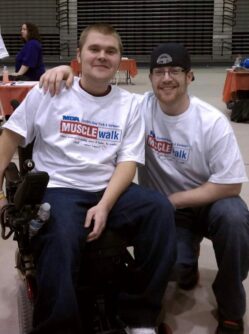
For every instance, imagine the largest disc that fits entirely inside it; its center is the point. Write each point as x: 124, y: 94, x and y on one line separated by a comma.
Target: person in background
x: 89, y: 139
x: 29, y: 60
x: 192, y: 157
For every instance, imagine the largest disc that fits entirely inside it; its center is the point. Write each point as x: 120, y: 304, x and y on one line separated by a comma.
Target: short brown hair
x: 103, y: 28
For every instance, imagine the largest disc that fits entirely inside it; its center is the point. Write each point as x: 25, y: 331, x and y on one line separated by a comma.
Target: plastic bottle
x: 42, y: 217
x: 5, y: 74
x: 44, y: 212
x: 237, y: 62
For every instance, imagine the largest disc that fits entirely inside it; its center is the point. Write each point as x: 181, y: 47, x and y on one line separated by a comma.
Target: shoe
x: 188, y: 279
x: 230, y: 327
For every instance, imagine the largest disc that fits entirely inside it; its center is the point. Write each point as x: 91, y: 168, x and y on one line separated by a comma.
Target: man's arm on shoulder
x: 120, y: 180
x: 204, y: 195
x: 51, y: 80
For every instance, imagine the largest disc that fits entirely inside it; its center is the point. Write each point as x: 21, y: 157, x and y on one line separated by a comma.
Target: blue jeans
x: 226, y: 224
x: 145, y: 217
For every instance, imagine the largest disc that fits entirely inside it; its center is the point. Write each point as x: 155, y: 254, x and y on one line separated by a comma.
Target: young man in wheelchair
x: 89, y: 140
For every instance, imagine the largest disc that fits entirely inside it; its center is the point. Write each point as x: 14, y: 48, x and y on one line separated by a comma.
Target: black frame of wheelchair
x: 107, y: 258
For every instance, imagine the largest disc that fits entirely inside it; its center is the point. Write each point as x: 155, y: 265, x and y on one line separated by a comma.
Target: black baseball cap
x: 170, y: 54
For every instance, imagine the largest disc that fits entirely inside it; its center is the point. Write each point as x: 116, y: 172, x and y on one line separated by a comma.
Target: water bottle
x: 43, y: 215
x: 237, y: 62
x: 44, y: 212
x: 5, y: 74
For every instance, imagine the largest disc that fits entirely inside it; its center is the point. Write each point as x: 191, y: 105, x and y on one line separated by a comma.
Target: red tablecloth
x: 9, y: 92
x: 128, y: 65
x: 75, y: 66
x: 235, y: 81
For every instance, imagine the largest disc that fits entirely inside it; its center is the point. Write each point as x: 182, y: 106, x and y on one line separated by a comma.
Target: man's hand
x: 3, y: 202
x: 120, y: 180
x: 97, y: 216
x: 51, y: 80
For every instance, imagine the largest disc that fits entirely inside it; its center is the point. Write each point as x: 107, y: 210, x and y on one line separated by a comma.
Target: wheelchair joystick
x: 28, y: 165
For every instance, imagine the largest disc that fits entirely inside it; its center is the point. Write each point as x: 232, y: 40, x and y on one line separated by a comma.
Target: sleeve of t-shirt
x: 225, y: 161
x: 133, y: 148
x: 22, y: 120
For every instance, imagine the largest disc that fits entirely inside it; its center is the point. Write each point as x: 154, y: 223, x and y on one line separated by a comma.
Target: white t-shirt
x: 182, y: 152
x: 80, y: 138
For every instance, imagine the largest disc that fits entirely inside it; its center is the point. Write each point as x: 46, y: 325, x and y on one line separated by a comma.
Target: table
x: 235, y: 81
x: 75, y: 67
x: 127, y: 65
x: 13, y: 90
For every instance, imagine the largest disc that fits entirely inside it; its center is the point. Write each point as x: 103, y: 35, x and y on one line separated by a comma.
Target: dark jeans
x: 145, y: 217
x: 226, y: 224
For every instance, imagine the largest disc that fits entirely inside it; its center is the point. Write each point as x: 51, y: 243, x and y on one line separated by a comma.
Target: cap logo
x: 164, y: 58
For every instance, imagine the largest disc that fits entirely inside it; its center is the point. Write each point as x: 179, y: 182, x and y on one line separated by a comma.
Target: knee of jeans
x: 159, y: 213
x: 161, y: 203
x: 230, y: 214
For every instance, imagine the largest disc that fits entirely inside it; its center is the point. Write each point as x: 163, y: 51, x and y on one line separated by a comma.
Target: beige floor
x: 187, y: 312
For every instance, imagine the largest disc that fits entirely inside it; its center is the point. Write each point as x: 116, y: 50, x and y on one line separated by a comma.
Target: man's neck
x: 94, y: 89
x: 176, y: 108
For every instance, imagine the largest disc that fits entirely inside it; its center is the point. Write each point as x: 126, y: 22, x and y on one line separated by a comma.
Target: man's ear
x: 190, y: 76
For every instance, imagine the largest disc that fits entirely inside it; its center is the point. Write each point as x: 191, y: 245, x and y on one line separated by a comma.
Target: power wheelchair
x: 108, y: 259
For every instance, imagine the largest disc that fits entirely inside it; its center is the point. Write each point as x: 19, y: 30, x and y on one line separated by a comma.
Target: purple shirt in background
x: 31, y: 55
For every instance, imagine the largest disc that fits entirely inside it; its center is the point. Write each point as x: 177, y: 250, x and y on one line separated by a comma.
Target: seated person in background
x: 89, y: 140
x: 29, y: 60
x: 192, y: 156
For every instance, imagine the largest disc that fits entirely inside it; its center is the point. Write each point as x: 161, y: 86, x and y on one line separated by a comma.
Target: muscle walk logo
x: 90, y: 131
x: 159, y: 145
x: 167, y: 148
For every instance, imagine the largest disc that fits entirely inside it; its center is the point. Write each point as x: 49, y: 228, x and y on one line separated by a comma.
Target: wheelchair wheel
x: 25, y: 309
